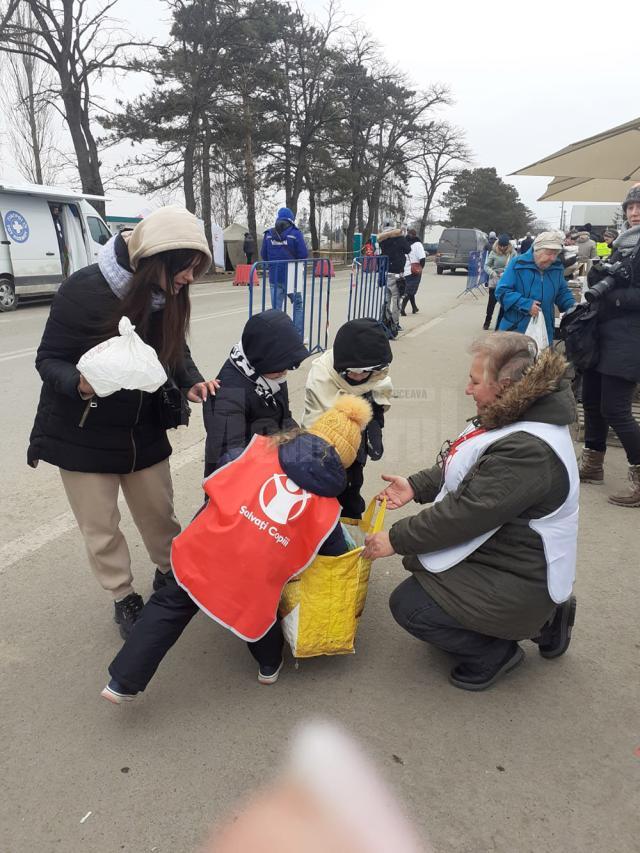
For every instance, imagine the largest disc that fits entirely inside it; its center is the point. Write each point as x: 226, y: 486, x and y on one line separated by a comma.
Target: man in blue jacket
x: 532, y: 283
x: 284, y: 242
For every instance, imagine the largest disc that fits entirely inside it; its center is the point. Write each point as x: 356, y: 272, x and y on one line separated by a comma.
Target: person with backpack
x: 284, y: 242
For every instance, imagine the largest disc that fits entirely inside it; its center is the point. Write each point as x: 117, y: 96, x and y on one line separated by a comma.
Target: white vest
x: 558, y: 530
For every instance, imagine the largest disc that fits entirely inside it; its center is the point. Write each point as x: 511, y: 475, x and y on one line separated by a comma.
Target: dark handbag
x: 175, y: 411
x: 579, y: 331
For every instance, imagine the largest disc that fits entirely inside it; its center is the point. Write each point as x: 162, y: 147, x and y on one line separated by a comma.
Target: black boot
x: 403, y: 305
x: 126, y: 611
x: 468, y: 677
x: 555, y: 636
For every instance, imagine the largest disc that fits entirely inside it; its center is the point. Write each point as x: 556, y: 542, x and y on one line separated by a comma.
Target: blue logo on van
x: 16, y: 226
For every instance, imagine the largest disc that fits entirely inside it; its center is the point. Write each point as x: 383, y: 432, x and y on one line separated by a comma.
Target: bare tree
x: 80, y: 44
x: 25, y: 83
x: 442, y: 150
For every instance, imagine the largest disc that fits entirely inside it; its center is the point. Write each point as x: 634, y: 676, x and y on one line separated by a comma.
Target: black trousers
x: 410, y: 299
x: 163, y: 618
x: 416, y: 612
x: 607, y: 402
x: 491, y: 304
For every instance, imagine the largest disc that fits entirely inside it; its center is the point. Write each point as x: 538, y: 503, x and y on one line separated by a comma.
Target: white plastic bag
x: 295, y: 277
x: 537, y: 329
x: 122, y: 362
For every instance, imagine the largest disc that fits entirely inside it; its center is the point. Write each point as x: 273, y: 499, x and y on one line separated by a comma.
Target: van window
x: 99, y: 231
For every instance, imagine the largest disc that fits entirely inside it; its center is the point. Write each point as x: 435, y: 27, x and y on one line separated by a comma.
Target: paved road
x: 548, y: 760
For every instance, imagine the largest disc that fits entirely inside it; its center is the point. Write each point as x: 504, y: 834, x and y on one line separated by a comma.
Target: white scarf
x: 117, y: 277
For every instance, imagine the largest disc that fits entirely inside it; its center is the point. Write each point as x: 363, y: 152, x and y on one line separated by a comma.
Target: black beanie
x: 361, y: 343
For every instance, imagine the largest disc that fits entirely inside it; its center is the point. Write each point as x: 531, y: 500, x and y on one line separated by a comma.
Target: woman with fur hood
x: 499, y: 256
x: 493, y: 560
x: 357, y: 364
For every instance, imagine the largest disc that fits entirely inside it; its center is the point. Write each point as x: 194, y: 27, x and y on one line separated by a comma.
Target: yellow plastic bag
x: 321, y: 607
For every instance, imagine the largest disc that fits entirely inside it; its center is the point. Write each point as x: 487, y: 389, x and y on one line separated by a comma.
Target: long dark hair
x: 166, y: 337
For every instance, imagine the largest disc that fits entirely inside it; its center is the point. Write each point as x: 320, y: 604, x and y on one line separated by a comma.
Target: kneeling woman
x: 493, y: 560
x: 270, y: 512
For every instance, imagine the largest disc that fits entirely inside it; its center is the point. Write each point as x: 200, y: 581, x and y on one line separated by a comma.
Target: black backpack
x: 579, y: 331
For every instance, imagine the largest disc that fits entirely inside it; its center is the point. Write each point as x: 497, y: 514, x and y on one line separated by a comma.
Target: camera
x: 618, y: 274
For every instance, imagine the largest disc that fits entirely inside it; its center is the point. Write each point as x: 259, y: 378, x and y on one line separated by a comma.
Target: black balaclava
x: 360, y: 343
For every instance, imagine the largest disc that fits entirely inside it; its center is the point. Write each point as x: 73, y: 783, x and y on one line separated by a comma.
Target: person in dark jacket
x: 396, y: 247
x: 120, y: 441
x: 526, y: 244
x: 608, y: 388
x: 253, y: 397
x: 314, y: 461
x: 414, y: 264
x: 284, y: 243
x: 249, y: 247
x: 493, y: 560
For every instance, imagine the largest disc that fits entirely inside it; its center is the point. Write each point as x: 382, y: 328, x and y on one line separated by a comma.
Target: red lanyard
x: 459, y: 441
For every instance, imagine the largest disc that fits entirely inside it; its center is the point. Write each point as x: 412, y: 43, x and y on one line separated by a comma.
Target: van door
x: 99, y: 235
x: 33, y: 245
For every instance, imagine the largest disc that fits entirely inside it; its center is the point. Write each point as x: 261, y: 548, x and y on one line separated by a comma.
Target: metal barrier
x: 304, y: 287
x: 476, y: 276
x: 368, y: 287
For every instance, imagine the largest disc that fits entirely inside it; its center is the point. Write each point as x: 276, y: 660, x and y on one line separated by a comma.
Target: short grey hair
x: 508, y: 355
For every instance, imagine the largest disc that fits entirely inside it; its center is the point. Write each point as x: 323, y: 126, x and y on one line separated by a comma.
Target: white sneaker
x: 269, y: 675
x: 115, y: 694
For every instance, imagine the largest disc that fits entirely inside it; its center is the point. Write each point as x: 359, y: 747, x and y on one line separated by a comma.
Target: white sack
x: 122, y: 362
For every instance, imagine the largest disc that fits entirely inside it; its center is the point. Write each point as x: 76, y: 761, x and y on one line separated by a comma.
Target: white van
x: 46, y: 233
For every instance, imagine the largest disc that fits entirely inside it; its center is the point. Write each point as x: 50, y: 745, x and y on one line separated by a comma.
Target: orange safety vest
x: 258, y: 530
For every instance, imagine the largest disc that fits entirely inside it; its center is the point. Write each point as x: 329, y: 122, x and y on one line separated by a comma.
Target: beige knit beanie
x: 165, y: 229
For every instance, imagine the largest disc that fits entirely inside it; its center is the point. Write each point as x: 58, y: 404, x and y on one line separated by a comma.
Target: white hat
x: 553, y: 240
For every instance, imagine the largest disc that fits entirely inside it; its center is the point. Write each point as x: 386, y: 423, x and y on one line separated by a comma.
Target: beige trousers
x: 94, y: 501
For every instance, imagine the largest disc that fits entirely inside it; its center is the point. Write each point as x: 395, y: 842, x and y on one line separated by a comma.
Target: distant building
x: 600, y: 216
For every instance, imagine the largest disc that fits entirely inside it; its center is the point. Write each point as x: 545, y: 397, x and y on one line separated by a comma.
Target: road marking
x: 16, y: 550
x: 220, y: 314
x: 426, y: 327
x: 17, y: 354
x: 22, y: 353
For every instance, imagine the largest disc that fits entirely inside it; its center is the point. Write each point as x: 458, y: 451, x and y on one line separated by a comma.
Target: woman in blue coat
x: 534, y: 282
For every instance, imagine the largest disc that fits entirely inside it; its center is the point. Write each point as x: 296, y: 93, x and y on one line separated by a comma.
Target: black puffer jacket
x: 619, y: 324
x: 271, y: 344
x: 120, y: 433
x: 396, y: 248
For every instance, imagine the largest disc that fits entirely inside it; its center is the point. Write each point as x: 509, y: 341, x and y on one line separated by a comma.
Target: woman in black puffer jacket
x: 120, y: 441
x: 608, y: 388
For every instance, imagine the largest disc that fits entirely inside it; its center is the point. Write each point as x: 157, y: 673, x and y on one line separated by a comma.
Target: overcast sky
x: 527, y: 79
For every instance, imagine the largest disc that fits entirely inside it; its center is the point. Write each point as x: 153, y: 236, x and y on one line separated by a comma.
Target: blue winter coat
x: 522, y: 284
x: 283, y: 242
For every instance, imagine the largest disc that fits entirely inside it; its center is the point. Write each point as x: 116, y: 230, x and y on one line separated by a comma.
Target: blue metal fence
x: 367, y: 287
x: 476, y: 276
x: 301, y: 288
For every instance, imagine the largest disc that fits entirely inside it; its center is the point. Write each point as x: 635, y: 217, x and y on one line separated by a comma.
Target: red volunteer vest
x: 258, y: 530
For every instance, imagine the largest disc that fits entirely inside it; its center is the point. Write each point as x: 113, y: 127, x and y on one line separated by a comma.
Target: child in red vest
x: 270, y: 512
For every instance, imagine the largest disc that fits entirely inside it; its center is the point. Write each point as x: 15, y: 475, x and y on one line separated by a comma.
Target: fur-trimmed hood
x: 543, y: 394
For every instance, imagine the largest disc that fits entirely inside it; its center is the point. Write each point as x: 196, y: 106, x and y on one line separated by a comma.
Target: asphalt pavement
x: 547, y: 760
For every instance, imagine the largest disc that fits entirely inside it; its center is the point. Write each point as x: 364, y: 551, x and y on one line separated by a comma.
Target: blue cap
x: 286, y: 213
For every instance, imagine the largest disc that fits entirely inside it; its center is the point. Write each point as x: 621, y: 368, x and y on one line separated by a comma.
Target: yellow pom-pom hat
x: 342, y: 426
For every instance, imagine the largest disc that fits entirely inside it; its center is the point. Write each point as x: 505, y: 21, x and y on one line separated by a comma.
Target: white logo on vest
x: 282, y: 500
